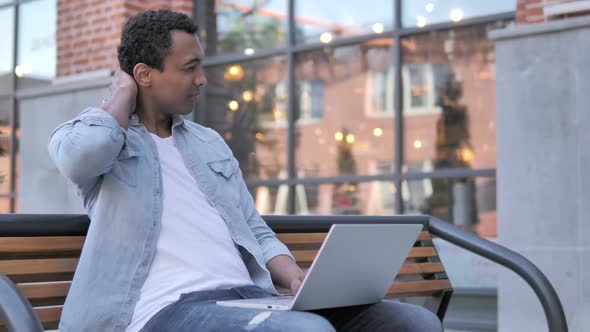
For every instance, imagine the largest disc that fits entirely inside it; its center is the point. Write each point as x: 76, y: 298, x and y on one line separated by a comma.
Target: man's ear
x: 142, y: 74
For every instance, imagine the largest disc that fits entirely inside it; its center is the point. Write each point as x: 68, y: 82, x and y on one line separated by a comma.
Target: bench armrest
x: 15, y: 311
x: 547, y: 295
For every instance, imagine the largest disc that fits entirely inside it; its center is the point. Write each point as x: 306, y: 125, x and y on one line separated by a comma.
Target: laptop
x: 355, y: 265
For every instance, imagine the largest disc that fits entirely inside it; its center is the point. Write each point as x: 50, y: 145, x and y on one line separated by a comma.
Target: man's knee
x: 409, y: 317
x: 295, y: 321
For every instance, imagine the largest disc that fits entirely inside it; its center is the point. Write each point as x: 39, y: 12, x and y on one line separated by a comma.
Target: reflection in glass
x: 243, y: 26
x: 270, y: 200
x: 367, y: 198
x: 344, y: 110
x: 247, y: 104
x: 421, y: 13
x: 5, y: 203
x: 466, y: 202
x: 323, y: 21
x: 449, y: 99
x: 5, y: 111
x: 36, y: 61
x: 6, y: 49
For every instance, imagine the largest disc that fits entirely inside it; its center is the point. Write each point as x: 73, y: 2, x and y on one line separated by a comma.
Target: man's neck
x: 155, y: 121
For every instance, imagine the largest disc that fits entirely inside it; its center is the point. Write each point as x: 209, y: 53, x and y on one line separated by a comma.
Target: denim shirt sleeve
x: 87, y: 146
x: 270, y: 244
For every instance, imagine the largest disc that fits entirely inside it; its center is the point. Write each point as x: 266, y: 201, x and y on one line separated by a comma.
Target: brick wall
x: 531, y: 11
x: 89, y: 31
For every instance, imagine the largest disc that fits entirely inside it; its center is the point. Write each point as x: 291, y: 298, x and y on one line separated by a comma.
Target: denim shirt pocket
x: 228, y: 181
x: 125, y: 168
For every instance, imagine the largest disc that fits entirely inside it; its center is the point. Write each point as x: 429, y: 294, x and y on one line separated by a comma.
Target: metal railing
x: 549, y: 299
x: 15, y: 311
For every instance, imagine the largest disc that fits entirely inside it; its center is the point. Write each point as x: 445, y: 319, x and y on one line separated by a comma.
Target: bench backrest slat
x: 40, y: 244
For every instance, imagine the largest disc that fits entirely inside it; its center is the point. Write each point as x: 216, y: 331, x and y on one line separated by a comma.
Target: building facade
x: 331, y: 109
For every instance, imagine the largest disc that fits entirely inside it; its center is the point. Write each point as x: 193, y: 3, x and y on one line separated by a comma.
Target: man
x: 173, y: 225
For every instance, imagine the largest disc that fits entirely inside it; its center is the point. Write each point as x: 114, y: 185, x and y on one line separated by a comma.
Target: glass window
x: 270, y: 200
x: 6, y: 49
x: 365, y: 198
x: 5, y: 203
x: 243, y: 26
x: 36, y: 47
x: 5, y: 131
x: 323, y: 21
x: 344, y: 110
x: 449, y: 99
x: 420, y: 13
x: 247, y: 103
x: 466, y: 202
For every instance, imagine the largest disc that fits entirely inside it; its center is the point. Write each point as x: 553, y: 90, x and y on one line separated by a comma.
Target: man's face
x: 176, y: 88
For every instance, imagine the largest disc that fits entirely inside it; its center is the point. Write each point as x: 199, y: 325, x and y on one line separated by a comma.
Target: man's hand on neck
x: 123, y: 98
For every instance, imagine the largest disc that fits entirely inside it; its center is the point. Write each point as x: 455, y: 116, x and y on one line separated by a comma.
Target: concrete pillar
x: 543, y: 163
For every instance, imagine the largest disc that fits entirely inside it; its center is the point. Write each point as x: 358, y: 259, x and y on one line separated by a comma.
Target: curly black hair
x: 146, y: 38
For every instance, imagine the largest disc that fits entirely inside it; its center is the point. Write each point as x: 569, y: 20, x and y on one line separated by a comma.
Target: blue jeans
x: 197, y: 311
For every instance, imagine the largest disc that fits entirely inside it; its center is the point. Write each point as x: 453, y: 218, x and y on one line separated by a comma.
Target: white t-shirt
x: 195, y: 250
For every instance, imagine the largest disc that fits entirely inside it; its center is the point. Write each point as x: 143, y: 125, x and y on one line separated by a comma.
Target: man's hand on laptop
x: 285, y: 272
x: 297, y: 281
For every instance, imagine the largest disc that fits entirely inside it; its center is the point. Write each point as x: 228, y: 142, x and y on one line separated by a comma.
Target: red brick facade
x: 531, y: 11
x: 88, y: 31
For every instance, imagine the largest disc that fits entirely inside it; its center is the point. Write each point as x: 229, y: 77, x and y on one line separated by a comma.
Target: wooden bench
x: 39, y: 253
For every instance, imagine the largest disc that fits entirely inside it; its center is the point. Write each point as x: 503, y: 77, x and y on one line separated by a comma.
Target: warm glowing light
x: 339, y: 136
x: 247, y: 96
x: 391, y: 188
x: 350, y: 138
x: 234, y: 73
x: 23, y: 69
x: 467, y: 155
x: 417, y: 144
x: 260, y: 136
x: 233, y: 105
x: 377, y: 132
x: 456, y: 15
x: 326, y: 37
x: 234, y: 70
x: 429, y: 7
x: 420, y: 21
x: 378, y: 28
x: 249, y: 51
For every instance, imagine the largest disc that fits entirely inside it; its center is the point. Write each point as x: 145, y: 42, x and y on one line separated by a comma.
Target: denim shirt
x: 117, y: 174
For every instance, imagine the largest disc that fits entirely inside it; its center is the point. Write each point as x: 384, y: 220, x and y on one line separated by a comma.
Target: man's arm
x: 279, y: 260
x: 87, y: 146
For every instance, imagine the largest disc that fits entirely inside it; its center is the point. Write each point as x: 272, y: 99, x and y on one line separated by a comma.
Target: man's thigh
x: 383, y: 316
x: 208, y: 316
